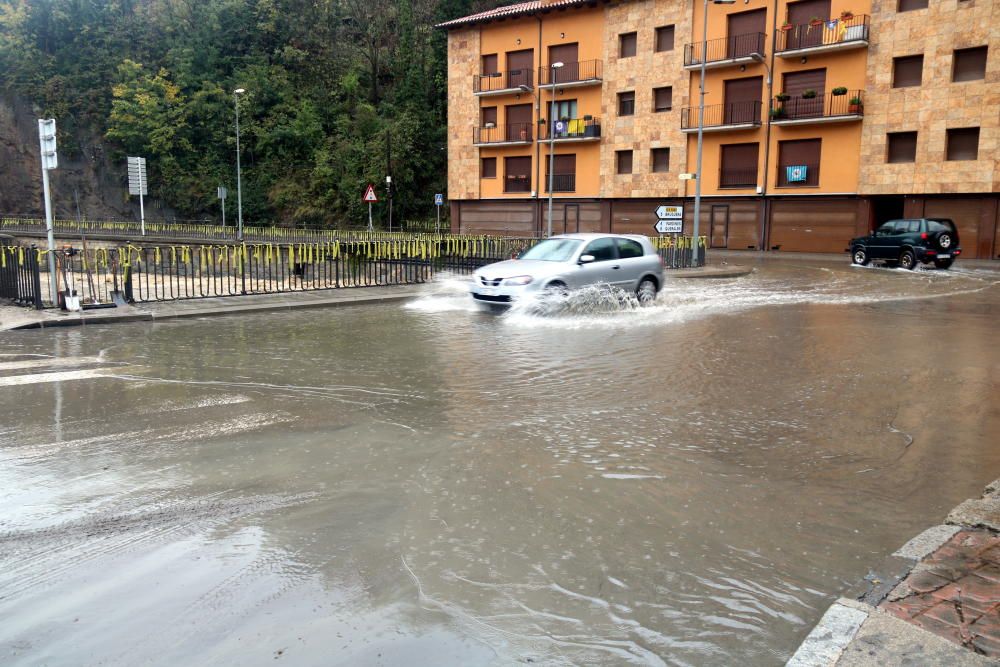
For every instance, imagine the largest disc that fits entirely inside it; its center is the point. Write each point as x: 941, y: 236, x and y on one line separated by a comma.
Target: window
x: 565, y: 109
x: 798, y: 163
x: 901, y: 147
x: 739, y: 166
x: 660, y: 159
x: 969, y: 64
x: 623, y: 162
x: 664, y: 39
x: 564, y: 176
x: 517, y: 172
x: 910, y: 5
x: 488, y: 167
x: 627, y: 249
x: 963, y: 143
x: 490, y: 64
x: 906, y: 71
x: 663, y: 99
x: 489, y: 116
x: 626, y: 103
x: 626, y: 45
x: 602, y: 249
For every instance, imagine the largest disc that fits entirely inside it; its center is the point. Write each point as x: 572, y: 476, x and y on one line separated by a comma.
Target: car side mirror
x: 586, y: 259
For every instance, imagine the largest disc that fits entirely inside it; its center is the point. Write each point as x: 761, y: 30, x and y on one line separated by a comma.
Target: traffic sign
x: 438, y: 199
x: 664, y: 212
x: 47, y: 140
x: 221, y: 192
x: 370, y: 195
x: 669, y: 226
x: 688, y: 177
x: 137, y: 176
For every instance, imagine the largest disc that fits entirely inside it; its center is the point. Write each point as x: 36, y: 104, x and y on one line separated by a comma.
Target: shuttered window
x: 660, y: 159
x: 963, y: 143
x: 910, y: 5
x: 665, y: 38
x: 517, y: 173
x: 901, y: 147
x: 799, y: 153
x: 489, y: 116
x: 663, y: 98
x: 907, y: 71
x: 564, y: 178
x: 739, y: 165
x: 626, y: 45
x: 796, y: 83
x: 488, y: 167
x: 969, y: 64
x: 623, y: 162
x: 626, y: 103
x: 490, y: 64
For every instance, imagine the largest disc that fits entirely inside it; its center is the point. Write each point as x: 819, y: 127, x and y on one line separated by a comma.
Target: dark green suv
x: 906, y: 242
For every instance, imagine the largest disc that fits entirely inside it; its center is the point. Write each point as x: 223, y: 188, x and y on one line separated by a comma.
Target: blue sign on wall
x: 796, y: 174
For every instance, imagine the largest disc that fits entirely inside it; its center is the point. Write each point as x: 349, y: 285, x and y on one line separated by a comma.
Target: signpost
x: 438, y: 201
x: 222, y: 192
x: 370, y: 197
x: 137, y: 186
x: 50, y: 160
x: 669, y: 219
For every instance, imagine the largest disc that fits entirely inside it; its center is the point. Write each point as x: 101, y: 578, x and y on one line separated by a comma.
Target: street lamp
x: 552, y: 141
x: 239, y: 184
x: 760, y: 60
x: 695, y: 252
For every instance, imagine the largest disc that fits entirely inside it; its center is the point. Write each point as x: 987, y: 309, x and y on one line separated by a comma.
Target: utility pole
x: 239, y: 184
x: 50, y: 160
x: 552, y: 142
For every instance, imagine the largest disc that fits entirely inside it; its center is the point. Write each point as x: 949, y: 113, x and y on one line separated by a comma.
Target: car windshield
x: 940, y: 226
x: 552, y: 250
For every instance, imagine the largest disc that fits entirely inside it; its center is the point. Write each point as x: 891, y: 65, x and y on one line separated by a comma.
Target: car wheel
x: 943, y: 263
x: 557, y: 288
x: 907, y: 260
x: 944, y: 240
x: 860, y: 256
x: 646, y: 292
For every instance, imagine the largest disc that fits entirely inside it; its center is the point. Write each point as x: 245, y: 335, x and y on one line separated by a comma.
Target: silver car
x: 570, y: 261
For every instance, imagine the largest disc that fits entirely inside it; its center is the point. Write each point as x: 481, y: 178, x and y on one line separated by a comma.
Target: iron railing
x: 724, y: 48
x: 584, y: 70
x: 497, y: 81
x: 517, y: 183
x: 720, y: 115
x: 20, y: 279
x: 500, y: 134
x: 823, y: 33
x: 561, y: 182
x: 742, y: 177
x: 573, y: 128
x: 811, y: 176
x: 825, y: 105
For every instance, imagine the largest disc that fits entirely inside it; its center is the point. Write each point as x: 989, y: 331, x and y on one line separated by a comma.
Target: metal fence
x: 103, y: 276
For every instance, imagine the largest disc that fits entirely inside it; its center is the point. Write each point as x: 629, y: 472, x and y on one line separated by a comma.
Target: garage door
x: 966, y: 214
x: 813, y: 225
x: 511, y: 218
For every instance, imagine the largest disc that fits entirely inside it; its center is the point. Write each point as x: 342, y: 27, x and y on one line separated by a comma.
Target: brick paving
x: 955, y: 592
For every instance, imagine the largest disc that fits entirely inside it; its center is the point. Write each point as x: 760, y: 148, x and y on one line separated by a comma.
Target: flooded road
x: 583, y: 483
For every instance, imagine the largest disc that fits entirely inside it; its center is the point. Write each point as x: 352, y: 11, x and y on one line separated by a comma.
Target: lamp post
x: 759, y: 59
x: 552, y: 142
x: 695, y: 251
x: 239, y: 184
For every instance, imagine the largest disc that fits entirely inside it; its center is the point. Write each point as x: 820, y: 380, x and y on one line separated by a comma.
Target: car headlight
x: 518, y: 280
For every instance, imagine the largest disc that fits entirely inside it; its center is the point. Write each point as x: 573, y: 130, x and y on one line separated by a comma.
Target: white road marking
x: 51, y: 361
x: 38, y: 378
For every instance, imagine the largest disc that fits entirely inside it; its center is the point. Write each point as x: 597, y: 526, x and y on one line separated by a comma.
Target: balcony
x: 572, y: 130
x: 731, y: 116
x: 825, y: 108
x: 512, y: 134
x: 561, y: 183
x: 835, y: 35
x: 517, y: 183
x: 502, y: 83
x: 738, y: 177
x: 805, y: 175
x: 572, y: 75
x: 724, y: 52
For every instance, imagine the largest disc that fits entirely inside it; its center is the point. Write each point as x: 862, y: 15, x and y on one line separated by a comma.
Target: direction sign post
x: 438, y: 201
x: 669, y: 219
x: 137, y: 186
x: 50, y: 160
x: 370, y: 197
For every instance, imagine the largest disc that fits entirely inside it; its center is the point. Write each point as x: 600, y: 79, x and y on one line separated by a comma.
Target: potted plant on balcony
x: 786, y: 26
x: 846, y: 15
x: 778, y: 113
x: 838, y: 91
x: 782, y: 97
x: 816, y: 22
x: 854, y: 105
x: 808, y: 94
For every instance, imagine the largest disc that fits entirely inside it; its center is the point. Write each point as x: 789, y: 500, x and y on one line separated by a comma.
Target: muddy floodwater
x: 423, y: 483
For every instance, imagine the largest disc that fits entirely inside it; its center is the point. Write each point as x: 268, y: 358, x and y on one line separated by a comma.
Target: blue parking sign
x: 438, y: 199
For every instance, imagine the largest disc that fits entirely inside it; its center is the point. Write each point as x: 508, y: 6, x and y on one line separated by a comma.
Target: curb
x: 710, y: 273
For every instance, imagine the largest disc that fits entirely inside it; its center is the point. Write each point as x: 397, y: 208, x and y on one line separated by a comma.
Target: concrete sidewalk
x: 936, y: 601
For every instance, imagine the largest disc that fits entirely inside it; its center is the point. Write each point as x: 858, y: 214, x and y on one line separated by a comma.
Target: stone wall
x: 463, y: 114
x: 937, y: 104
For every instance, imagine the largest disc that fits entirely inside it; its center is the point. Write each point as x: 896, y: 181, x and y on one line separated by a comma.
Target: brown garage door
x: 966, y: 214
x: 497, y: 217
x: 813, y: 225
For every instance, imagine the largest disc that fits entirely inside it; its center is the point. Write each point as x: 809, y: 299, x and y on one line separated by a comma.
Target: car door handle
x: 616, y: 266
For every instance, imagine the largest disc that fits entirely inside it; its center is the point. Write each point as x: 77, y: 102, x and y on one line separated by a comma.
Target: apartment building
x: 822, y: 118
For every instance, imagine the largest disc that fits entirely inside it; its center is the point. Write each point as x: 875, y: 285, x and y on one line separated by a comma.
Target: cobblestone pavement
x: 955, y: 592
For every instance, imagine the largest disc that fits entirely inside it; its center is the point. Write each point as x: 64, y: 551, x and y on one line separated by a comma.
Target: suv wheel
x: 646, y: 293
x: 859, y: 256
x: 943, y: 263
x: 907, y: 260
x: 944, y: 240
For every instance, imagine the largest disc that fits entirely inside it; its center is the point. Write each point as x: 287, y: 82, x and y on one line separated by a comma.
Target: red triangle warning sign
x: 370, y: 194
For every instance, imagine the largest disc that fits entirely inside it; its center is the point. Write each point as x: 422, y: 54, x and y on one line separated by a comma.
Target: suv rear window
x: 941, y: 226
x: 628, y: 248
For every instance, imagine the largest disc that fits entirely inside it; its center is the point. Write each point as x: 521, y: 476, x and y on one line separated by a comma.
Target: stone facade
x: 642, y: 73
x: 463, y: 111
x: 937, y: 104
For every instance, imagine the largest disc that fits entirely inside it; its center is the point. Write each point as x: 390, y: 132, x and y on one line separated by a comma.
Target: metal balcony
x: 731, y: 116
x: 502, y: 83
x: 512, y: 134
x: 561, y: 183
x: 571, y: 75
x: 571, y: 130
x: 818, y: 37
x: 724, y: 52
x: 824, y: 108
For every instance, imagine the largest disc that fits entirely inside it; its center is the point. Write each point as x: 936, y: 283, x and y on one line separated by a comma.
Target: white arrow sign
x: 664, y: 212
x: 669, y: 226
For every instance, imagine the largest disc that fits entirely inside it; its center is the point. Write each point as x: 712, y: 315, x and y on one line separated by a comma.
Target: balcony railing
x: 741, y: 177
x: 735, y: 115
x: 724, y: 51
x: 572, y: 129
x: 561, y: 182
x: 809, y: 179
x: 512, y: 133
x: 822, y: 108
x: 502, y: 82
x: 572, y: 74
x: 823, y: 36
x: 515, y: 183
